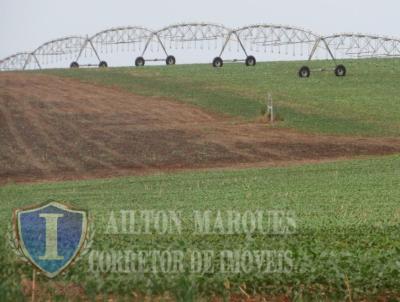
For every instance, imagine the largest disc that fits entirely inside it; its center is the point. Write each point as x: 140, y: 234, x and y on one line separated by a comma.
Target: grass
x: 347, y: 243
x: 366, y: 102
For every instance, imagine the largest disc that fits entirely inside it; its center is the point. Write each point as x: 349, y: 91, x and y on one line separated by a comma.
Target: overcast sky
x: 25, y: 24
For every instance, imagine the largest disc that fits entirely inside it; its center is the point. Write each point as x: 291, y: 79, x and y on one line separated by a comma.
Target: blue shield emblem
x: 51, y: 236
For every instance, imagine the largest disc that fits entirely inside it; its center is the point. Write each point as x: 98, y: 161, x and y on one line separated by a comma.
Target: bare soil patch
x: 54, y: 128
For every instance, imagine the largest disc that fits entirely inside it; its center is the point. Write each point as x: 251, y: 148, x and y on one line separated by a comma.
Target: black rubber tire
x: 170, y: 60
x: 140, y: 61
x: 218, y: 62
x: 340, y: 71
x: 103, y: 64
x: 304, y: 72
x: 251, y: 61
x: 74, y: 65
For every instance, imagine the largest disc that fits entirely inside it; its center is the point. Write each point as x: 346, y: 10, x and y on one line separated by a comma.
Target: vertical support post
x: 33, y: 284
x: 148, y: 43
x: 82, y: 48
x: 27, y: 61
x: 270, y: 108
x: 162, y: 44
x: 37, y: 61
x: 329, y: 51
x: 94, y: 49
x: 241, y: 44
x: 314, y: 49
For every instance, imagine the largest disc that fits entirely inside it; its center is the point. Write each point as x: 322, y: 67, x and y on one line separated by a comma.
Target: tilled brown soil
x: 54, y: 128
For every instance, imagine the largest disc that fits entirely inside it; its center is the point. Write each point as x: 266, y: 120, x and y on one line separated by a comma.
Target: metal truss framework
x: 18, y: 61
x: 59, y: 49
x: 254, y: 38
x: 272, y: 37
x: 193, y: 35
x: 359, y: 45
x: 133, y: 37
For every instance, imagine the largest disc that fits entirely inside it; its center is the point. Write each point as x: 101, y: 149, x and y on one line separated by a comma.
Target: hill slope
x: 56, y: 128
x: 365, y: 102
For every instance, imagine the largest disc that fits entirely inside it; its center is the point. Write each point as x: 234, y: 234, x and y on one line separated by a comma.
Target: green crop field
x: 365, y: 102
x: 346, y: 243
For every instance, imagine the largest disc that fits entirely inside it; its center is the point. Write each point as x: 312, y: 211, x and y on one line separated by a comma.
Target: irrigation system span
x: 139, y: 41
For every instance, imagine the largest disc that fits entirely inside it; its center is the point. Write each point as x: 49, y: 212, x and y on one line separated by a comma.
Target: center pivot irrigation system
x: 267, y: 38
